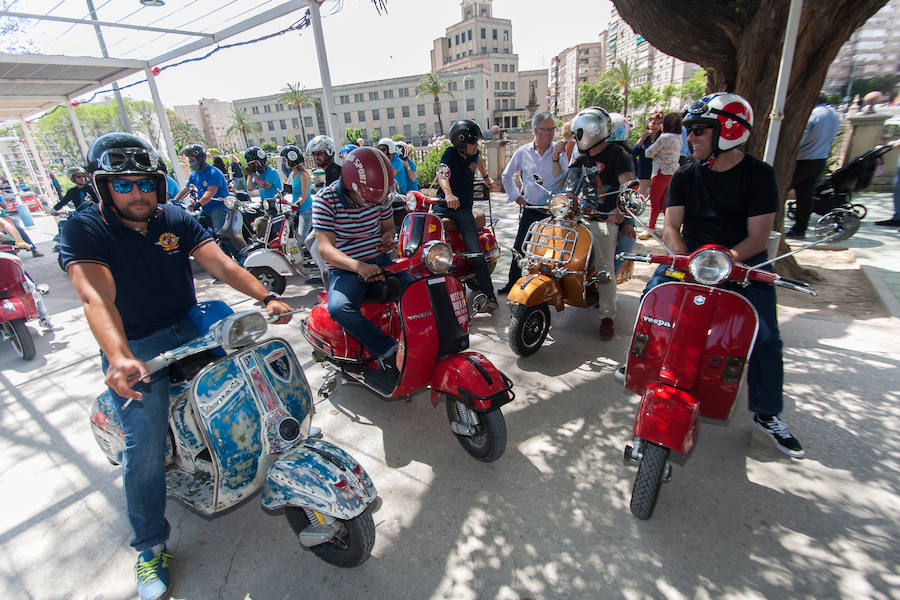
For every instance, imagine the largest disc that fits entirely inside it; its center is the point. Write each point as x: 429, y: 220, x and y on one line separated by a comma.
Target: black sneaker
x: 778, y: 432
x: 505, y: 289
x: 888, y: 222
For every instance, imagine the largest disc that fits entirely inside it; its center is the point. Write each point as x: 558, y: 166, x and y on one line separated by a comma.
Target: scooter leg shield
x: 12, y: 309
x: 268, y: 258
x: 667, y: 416
x: 472, y: 379
x: 320, y: 476
x: 532, y: 290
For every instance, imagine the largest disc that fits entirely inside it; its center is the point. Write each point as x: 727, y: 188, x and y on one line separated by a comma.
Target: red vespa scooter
x: 691, y: 342
x: 18, y: 304
x: 430, y: 321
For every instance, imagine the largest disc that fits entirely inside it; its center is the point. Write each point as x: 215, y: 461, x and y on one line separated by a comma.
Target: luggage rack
x: 543, y: 246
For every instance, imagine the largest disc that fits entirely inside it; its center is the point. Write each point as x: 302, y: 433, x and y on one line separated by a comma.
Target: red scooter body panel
x: 15, y: 301
x: 417, y: 229
x: 472, y: 378
x: 667, y: 416
x: 342, y: 345
x: 696, y: 338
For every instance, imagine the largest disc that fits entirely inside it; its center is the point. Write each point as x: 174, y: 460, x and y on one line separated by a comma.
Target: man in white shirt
x: 543, y: 158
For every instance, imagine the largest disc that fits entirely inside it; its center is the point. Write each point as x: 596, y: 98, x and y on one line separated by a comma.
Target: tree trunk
x: 437, y: 110
x: 739, y: 44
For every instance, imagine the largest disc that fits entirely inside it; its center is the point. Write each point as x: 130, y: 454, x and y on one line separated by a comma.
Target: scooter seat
x: 480, y: 220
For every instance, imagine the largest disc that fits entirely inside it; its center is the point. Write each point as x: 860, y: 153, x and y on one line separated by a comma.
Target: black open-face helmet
x: 464, y: 131
x: 118, y: 153
x: 256, y: 156
x: 196, y: 156
x: 292, y: 156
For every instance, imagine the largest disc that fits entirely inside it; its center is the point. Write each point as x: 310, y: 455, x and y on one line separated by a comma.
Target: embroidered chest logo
x: 168, y: 242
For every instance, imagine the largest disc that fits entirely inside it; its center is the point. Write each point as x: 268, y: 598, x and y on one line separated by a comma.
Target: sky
x: 361, y: 46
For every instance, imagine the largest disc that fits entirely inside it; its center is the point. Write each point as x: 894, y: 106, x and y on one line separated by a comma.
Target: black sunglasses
x: 697, y: 130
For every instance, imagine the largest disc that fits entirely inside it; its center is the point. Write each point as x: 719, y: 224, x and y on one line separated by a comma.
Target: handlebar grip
x: 635, y: 257
x: 157, y: 363
x: 795, y: 285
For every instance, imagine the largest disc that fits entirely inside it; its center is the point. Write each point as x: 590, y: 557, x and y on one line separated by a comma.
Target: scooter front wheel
x: 349, y: 548
x: 648, y: 480
x: 271, y: 280
x: 528, y: 328
x: 488, y: 442
x: 21, y: 338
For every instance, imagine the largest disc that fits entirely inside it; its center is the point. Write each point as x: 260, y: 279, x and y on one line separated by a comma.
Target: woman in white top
x: 665, y: 152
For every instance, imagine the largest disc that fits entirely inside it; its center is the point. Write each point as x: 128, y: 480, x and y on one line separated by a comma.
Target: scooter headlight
x: 241, y: 329
x: 437, y: 256
x: 560, y: 206
x: 710, y: 266
x: 411, y: 201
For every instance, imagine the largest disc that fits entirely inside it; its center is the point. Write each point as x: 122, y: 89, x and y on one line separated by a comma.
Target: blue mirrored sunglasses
x: 123, y: 186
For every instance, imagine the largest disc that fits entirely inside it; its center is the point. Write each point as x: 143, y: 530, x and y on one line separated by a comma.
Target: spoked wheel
x: 21, y: 338
x: 648, y: 479
x: 489, y: 441
x: 859, y: 210
x: 271, y: 280
x: 349, y: 548
x: 528, y: 328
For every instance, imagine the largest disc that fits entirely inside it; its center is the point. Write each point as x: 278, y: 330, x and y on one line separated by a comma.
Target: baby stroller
x: 836, y: 190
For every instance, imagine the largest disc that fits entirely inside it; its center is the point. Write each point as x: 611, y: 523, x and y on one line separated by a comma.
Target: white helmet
x: 321, y: 143
x: 618, y: 128
x: 391, y: 146
x: 730, y: 116
x: 591, y: 126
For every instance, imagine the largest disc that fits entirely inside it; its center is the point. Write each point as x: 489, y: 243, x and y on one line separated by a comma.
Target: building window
x: 365, y: 133
x: 255, y: 110
x: 347, y: 118
x: 282, y: 123
x: 453, y: 106
x: 456, y: 39
x: 436, y: 108
x: 345, y: 99
x: 420, y: 109
x: 451, y: 86
x: 407, y: 131
x: 267, y: 108
x: 271, y: 125
x: 449, y: 42
x: 361, y: 116
x: 512, y: 85
x: 357, y: 97
x: 404, y: 111
x: 376, y: 114
x: 274, y: 140
x: 308, y: 121
x: 392, y: 130
x: 504, y: 85
x: 279, y: 107
x: 404, y: 92
x: 388, y: 94
x: 483, y: 33
x: 469, y: 84
x: 496, y: 67
x: 484, y: 49
x: 496, y: 85
x: 505, y: 104
x: 390, y: 113
x: 470, y: 105
x: 512, y: 68
x: 494, y: 33
x: 373, y: 95
x: 470, y: 35
x: 295, y: 123
x: 505, y: 36
x: 496, y: 105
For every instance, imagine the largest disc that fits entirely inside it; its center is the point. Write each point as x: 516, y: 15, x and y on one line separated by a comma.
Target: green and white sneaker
x: 152, y: 574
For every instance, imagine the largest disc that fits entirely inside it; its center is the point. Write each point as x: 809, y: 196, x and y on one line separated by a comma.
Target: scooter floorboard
x: 195, y: 490
x: 381, y: 382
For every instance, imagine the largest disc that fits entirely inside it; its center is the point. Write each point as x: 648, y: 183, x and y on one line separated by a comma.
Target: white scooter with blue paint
x: 240, y: 413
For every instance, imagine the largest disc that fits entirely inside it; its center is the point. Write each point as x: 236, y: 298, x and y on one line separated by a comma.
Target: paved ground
x: 549, y: 520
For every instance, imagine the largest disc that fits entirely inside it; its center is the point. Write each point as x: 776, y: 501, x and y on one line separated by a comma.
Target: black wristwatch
x: 269, y: 297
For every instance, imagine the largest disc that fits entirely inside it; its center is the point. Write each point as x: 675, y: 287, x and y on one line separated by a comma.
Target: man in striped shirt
x: 354, y: 228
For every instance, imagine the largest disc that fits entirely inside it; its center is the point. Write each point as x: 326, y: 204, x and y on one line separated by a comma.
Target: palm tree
x: 432, y: 84
x: 623, y: 75
x: 241, y: 124
x: 295, y: 96
x: 184, y: 133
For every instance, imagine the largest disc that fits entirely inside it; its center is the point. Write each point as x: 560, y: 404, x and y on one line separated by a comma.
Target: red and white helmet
x: 368, y: 172
x: 730, y: 115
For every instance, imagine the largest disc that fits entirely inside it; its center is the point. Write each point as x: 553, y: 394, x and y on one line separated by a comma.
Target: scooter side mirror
x: 538, y: 179
x: 631, y: 202
x: 837, y: 226
x: 443, y: 172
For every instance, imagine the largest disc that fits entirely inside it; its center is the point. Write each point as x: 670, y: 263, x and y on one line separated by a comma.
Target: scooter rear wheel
x: 271, y: 280
x: 21, y: 338
x: 349, y: 548
x: 528, y: 328
x: 648, y: 480
x: 489, y: 441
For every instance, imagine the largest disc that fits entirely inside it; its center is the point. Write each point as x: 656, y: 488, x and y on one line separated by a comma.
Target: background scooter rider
x: 407, y: 177
x: 463, y: 158
x: 354, y: 228
x: 592, y: 128
x: 322, y: 149
x: 128, y: 259
x: 260, y: 175
x: 300, y: 181
x: 389, y: 148
x: 728, y: 197
x: 82, y: 194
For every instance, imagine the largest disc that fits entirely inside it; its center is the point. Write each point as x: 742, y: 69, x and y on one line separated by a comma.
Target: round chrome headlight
x: 437, y: 256
x: 411, y: 201
x: 559, y: 206
x: 710, y: 266
x: 241, y: 329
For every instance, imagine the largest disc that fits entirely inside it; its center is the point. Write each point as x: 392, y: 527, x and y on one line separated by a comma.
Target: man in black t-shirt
x: 727, y: 197
x: 609, y: 166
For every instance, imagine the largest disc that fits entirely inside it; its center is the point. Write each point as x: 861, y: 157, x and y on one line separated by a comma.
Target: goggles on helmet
x: 699, y: 108
x: 117, y: 160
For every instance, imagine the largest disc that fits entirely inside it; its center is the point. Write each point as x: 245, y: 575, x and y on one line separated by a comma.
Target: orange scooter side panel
x: 696, y: 338
x: 535, y: 289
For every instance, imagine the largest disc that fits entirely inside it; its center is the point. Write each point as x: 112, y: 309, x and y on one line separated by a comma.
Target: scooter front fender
x: 667, y: 416
x: 535, y: 289
x: 11, y: 309
x: 472, y: 379
x: 320, y: 476
x: 268, y: 258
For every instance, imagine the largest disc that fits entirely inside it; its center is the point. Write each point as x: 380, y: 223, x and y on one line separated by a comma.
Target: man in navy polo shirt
x: 128, y: 259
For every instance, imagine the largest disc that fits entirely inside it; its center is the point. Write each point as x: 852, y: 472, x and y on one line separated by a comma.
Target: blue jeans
x: 465, y: 221
x: 346, y: 291
x: 146, y: 423
x: 623, y: 244
x: 526, y: 218
x: 765, y: 372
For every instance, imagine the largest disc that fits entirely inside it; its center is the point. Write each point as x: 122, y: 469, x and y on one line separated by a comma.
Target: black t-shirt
x: 718, y: 204
x: 332, y: 173
x: 462, y: 176
x: 236, y: 171
x: 606, y: 165
x: 76, y: 196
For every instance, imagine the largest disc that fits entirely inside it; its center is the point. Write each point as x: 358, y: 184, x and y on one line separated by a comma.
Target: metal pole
x: 31, y: 173
x: 164, y: 126
x: 331, y: 124
x: 784, y: 76
x: 7, y: 174
x: 48, y: 186
x: 115, y: 87
x: 76, y: 126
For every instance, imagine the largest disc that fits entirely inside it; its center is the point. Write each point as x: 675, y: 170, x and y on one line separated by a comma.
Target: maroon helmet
x: 367, y: 172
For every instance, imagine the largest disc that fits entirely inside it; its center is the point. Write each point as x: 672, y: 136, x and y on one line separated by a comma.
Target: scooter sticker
x: 458, y: 299
x: 279, y: 364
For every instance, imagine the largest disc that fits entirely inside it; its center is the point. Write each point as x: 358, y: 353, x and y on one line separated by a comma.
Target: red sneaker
x: 607, y: 329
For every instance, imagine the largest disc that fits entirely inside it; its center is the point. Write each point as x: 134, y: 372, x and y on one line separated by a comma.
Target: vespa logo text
x: 419, y: 316
x: 659, y: 322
